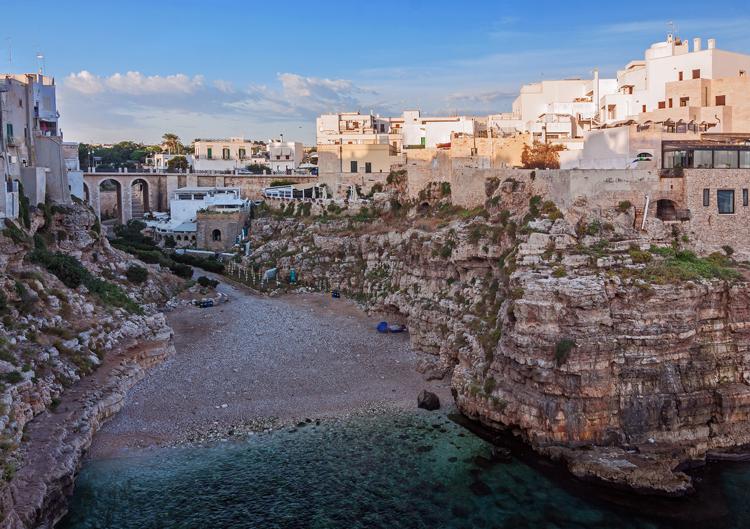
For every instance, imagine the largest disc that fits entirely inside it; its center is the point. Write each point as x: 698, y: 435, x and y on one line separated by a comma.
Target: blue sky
x: 135, y: 69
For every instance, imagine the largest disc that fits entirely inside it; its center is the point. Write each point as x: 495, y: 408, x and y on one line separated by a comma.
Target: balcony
x: 11, y: 141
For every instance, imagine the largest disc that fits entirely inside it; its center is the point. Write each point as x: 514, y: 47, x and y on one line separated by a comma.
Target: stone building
x: 221, y: 230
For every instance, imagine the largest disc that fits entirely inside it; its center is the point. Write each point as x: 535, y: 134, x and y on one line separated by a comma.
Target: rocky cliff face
x: 569, y: 330
x: 77, y: 328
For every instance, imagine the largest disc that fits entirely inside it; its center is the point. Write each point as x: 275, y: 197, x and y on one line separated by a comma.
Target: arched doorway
x: 666, y: 210
x: 216, y: 235
x: 139, y: 198
x: 110, y: 200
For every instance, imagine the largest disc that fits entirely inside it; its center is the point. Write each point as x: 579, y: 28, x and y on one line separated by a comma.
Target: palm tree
x: 172, y: 142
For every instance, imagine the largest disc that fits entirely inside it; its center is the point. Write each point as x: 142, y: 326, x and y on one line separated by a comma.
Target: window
x: 684, y: 101
x: 353, y: 166
x: 216, y: 235
x: 744, y: 159
x: 703, y: 159
x: 9, y: 130
x: 676, y: 159
x: 644, y: 108
x: 743, y: 73
x: 670, y: 103
x: 721, y: 101
x: 744, y: 197
x: 209, y: 153
x: 368, y: 167
x: 242, y: 153
x: 225, y: 154
x: 726, y: 159
x: 725, y: 201
x: 662, y: 104
x: 287, y: 156
x: 382, y: 127
x: 706, y: 197
x: 680, y: 76
x: 696, y: 74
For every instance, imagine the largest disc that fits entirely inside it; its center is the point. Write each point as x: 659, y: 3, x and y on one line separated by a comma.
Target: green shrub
x: 559, y: 272
x: 207, y: 263
x: 136, y: 274
x: 624, y: 206
x: 13, y: 377
x: 563, y: 349
x: 23, y: 207
x: 639, y: 256
x: 489, y: 385
x: 207, y: 282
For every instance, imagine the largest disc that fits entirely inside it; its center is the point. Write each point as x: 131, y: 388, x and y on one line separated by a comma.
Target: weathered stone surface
x: 661, y: 369
x: 428, y: 401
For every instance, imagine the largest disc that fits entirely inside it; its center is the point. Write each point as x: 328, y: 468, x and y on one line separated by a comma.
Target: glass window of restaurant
x: 703, y: 159
x: 744, y: 159
x: 725, y: 159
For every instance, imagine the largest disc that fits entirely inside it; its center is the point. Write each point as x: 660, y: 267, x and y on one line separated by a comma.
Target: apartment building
x: 225, y: 155
x: 674, y: 81
x: 31, y: 146
x: 284, y: 157
x: 554, y: 110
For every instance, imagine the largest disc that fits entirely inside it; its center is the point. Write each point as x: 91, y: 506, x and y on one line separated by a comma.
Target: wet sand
x: 257, y: 362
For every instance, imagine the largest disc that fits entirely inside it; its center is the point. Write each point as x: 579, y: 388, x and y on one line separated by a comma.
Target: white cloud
x: 133, y: 83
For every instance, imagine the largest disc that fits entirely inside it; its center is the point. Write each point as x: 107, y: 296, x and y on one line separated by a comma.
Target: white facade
x: 225, y: 155
x: 30, y: 137
x: 284, y: 157
x: 641, y: 85
x: 554, y: 109
x: 185, y: 202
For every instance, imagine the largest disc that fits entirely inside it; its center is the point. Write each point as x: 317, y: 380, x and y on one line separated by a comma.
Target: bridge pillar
x: 95, y: 199
x: 172, y: 183
x: 191, y: 180
x: 126, y: 199
x: 219, y: 182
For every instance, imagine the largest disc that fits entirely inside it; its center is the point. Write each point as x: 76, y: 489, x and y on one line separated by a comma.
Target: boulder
x: 428, y: 401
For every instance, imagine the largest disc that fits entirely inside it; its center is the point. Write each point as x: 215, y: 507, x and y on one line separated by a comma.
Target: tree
x: 178, y: 162
x: 171, y: 142
x: 541, y: 156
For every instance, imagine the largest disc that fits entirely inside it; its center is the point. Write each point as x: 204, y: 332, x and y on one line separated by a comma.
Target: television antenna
x: 42, y: 63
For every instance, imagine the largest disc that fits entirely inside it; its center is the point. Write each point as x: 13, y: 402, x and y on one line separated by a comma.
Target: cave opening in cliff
x: 666, y: 210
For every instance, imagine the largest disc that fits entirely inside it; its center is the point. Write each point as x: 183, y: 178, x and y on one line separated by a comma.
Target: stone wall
x: 228, y: 226
x: 710, y: 228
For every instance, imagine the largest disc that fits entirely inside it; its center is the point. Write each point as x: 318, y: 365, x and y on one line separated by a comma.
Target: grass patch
x: 562, y: 350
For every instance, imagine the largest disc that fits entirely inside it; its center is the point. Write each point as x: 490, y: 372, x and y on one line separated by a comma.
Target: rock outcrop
x: 75, y: 334
x: 566, y: 328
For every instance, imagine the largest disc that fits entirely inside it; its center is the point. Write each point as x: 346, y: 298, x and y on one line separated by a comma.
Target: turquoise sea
x: 411, y: 470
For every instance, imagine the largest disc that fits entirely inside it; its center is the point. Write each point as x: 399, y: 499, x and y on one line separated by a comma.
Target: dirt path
x: 256, y: 358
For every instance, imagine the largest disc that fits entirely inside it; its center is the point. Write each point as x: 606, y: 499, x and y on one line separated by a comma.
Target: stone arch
x: 216, y: 235
x: 666, y: 209
x: 139, y: 197
x: 110, y: 200
x: 178, y: 237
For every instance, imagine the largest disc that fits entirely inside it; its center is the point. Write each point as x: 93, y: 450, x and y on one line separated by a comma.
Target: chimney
x: 711, y: 44
x: 697, y: 44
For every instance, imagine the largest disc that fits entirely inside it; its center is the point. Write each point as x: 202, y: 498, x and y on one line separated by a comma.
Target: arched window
x: 216, y: 235
x: 179, y: 238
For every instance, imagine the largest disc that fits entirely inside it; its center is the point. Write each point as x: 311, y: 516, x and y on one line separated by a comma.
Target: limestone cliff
x: 569, y: 328
x: 78, y: 325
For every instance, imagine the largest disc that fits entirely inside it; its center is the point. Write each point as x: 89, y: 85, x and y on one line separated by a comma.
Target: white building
x: 73, y: 166
x: 642, y: 84
x: 184, y: 205
x: 225, y: 155
x: 425, y: 131
x: 30, y: 142
x: 284, y: 157
x: 555, y: 110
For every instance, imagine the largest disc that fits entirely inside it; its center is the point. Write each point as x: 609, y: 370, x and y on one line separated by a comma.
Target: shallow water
x: 415, y: 470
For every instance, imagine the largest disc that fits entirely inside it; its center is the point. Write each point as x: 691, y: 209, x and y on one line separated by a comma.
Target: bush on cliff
x: 136, y: 274
x: 72, y: 273
x: 684, y: 265
x: 562, y: 350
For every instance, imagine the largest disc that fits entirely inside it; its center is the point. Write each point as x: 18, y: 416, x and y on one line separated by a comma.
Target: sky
x: 217, y: 68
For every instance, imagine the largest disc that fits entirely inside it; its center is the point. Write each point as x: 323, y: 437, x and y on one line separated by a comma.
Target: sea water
x: 411, y: 470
